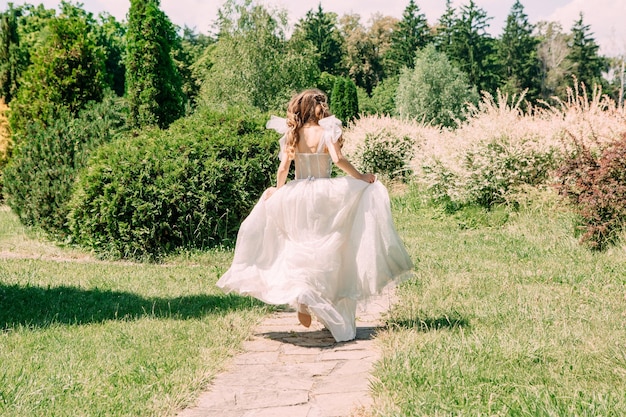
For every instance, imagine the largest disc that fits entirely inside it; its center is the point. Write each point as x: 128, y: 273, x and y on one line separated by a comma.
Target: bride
x: 318, y: 243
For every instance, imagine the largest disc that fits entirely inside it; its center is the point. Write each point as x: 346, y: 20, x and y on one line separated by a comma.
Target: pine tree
x: 320, y: 28
x: 472, y: 49
x: 153, y: 85
x: 445, y: 28
x: 517, y: 53
x: 12, y: 61
x: 587, y: 65
x: 412, y: 33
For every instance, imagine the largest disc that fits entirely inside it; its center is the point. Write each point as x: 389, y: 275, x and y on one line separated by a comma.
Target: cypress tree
x: 153, y: 85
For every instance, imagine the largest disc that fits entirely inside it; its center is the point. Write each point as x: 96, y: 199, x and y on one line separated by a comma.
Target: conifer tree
x: 320, y: 28
x: 153, y: 85
x: 12, y: 61
x: 587, y: 65
x: 345, y: 102
x: 517, y: 53
x: 412, y: 33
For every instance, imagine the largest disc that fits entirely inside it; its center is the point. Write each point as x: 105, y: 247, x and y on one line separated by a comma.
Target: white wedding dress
x: 320, y: 244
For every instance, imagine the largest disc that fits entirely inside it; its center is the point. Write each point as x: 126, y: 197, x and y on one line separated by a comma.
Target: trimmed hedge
x: 186, y: 187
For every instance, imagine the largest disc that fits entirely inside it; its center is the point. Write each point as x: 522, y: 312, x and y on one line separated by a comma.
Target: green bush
x: 187, y: 187
x: 490, y: 172
x: 595, y: 182
x: 39, y: 177
x: 386, y: 154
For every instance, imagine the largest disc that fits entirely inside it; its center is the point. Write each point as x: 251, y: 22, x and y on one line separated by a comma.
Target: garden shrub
x: 186, y: 187
x: 489, y: 172
x: 39, y: 177
x: 385, y: 153
x: 595, y: 182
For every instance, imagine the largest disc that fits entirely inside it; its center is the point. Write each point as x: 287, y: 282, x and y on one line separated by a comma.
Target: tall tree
x: 361, y: 59
x: 153, y: 85
x: 110, y: 35
x: 517, y: 53
x: 12, y: 59
x: 412, y: 33
x: 320, y: 28
x: 587, y: 65
x: 444, y: 29
x: 253, y: 63
x: 472, y: 49
x: 552, y: 51
x: 67, y: 72
x: 435, y: 91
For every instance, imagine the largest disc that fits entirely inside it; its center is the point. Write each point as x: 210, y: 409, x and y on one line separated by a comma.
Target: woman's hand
x: 368, y: 178
x: 269, y: 192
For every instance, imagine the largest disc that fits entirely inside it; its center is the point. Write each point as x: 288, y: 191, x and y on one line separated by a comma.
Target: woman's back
x: 310, y: 159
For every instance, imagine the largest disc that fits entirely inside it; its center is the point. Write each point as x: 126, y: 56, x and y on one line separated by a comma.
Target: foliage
x: 587, y: 65
x: 189, y: 55
x: 385, y: 153
x: 189, y: 186
x: 12, y: 59
x: 326, y: 83
x: 253, y: 63
x: 320, y: 28
x: 384, y: 96
x: 517, y: 53
x: 412, y: 33
x: 110, y: 35
x: 434, y: 91
x: 66, y: 73
x: 345, y: 101
x: 362, y: 58
x: 595, y: 182
x: 552, y: 51
x: 39, y: 178
x: 153, y: 85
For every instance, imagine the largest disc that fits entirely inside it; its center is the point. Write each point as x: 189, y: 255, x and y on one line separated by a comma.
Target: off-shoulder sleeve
x: 279, y: 124
x: 332, y: 129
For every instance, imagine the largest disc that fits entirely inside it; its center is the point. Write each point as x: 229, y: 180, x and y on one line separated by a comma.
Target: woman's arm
x: 281, y: 176
x: 346, y: 166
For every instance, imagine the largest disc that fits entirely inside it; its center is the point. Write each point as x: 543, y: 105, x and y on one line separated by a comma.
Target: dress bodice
x: 313, y: 165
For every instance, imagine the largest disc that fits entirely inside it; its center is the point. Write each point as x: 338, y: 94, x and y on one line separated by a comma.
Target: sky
x: 605, y: 17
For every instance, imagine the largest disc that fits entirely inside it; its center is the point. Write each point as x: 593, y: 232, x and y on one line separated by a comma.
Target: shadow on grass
x: 426, y: 324
x: 41, y: 307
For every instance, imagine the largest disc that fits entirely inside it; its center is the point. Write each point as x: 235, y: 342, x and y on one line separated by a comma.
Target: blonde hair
x: 308, y: 106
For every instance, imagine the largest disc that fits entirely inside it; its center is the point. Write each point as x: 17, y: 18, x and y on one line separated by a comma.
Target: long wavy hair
x: 308, y: 106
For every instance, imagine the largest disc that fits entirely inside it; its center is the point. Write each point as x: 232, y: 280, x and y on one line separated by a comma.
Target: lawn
x: 507, y: 316
x: 83, y: 337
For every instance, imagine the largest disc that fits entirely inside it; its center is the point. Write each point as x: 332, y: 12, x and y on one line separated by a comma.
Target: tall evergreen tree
x: 412, y: 33
x: 587, y: 65
x: 444, y: 29
x: 472, y: 49
x: 320, y: 28
x: 11, y: 60
x: 153, y: 85
x: 517, y: 53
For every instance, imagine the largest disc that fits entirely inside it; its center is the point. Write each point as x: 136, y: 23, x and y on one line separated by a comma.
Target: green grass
x: 82, y: 337
x: 507, y: 316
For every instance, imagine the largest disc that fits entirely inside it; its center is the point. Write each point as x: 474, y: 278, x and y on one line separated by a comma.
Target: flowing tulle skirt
x: 320, y: 245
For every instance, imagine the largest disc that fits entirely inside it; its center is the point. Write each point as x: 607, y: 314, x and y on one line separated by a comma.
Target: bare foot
x: 304, y: 319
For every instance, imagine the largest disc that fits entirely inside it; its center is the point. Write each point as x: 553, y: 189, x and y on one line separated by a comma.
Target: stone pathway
x: 287, y: 370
